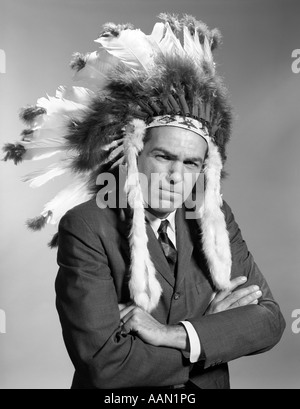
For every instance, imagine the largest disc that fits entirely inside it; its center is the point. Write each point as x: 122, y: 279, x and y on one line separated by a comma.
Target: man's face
x: 171, y: 160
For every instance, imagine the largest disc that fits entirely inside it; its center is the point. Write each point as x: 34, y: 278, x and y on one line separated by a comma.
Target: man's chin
x: 164, y: 207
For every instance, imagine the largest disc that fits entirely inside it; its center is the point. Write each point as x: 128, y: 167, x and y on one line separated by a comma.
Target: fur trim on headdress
x: 215, y: 238
x: 144, y: 288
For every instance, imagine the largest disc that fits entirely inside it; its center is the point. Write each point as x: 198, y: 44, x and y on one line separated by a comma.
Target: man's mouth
x: 171, y: 193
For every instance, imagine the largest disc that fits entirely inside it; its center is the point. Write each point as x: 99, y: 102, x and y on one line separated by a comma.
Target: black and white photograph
x: 149, y: 181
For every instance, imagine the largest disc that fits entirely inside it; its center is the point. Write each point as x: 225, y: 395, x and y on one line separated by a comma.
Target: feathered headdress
x: 133, y: 82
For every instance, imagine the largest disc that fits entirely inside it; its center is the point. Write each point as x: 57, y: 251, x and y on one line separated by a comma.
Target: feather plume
x: 215, y: 39
x: 172, y: 20
x: 48, y: 137
x: 73, y: 195
x: 27, y: 135
x: 97, y: 67
x: 80, y: 95
x: 170, y: 44
x: 40, y: 177
x: 190, y: 22
x: 191, y: 48
x: 42, y: 153
x: 55, y: 105
x: 14, y: 152
x: 198, y: 46
x: 157, y: 32
x: 38, y: 223
x: 208, y: 55
x: 202, y: 31
x: 78, y: 61
x: 131, y: 47
x: 114, y: 29
x: 29, y: 114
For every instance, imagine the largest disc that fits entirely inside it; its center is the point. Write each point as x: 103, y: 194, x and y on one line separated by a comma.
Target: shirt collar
x: 155, y: 221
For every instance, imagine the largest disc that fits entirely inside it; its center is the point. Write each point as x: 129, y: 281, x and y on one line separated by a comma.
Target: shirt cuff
x: 195, y: 346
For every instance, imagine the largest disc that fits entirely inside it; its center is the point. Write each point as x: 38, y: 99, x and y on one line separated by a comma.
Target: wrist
x: 175, y: 336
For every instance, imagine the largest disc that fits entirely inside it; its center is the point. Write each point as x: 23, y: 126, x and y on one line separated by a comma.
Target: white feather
x: 40, y: 177
x: 98, y: 65
x: 131, y: 47
x: 170, y: 44
x: 157, y: 32
x: 79, y: 95
x: 48, y: 137
x: 66, y: 199
x: 156, y: 36
x: 208, y: 54
x: 191, y: 48
x: 54, y: 105
x: 198, y: 46
x: 41, y: 153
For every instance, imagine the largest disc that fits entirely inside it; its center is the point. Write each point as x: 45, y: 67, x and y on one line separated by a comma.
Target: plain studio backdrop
x: 38, y: 38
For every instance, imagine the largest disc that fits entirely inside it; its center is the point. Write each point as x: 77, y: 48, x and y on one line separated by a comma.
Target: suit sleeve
x: 246, y: 330
x: 88, y: 308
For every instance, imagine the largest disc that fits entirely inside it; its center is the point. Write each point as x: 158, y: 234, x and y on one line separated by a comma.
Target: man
x: 152, y: 292
x: 134, y: 348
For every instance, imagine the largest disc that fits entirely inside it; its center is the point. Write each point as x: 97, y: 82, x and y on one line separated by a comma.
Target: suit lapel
x: 158, y: 258
x: 184, y: 245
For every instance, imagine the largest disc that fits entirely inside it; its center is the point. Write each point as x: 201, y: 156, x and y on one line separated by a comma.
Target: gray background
x: 39, y: 37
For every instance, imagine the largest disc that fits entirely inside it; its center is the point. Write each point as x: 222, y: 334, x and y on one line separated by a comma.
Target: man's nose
x: 176, y: 173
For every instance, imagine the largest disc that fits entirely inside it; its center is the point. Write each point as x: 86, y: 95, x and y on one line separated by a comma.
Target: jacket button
x: 176, y: 296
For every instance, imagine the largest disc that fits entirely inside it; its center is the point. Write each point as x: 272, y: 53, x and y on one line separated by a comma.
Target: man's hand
x: 226, y: 300
x: 135, y: 320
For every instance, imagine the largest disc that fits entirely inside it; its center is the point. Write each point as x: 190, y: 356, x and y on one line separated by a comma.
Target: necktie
x: 167, y: 246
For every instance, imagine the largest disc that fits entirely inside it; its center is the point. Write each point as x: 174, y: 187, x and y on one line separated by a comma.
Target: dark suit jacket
x: 93, y: 278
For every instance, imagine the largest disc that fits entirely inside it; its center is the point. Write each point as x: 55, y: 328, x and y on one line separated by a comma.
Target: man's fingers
x: 247, y: 300
x: 122, y: 306
x: 236, y: 282
x: 236, y: 296
x: 126, y: 310
x: 129, y: 320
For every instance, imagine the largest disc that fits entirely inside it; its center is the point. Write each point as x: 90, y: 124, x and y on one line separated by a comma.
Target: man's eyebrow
x: 175, y: 157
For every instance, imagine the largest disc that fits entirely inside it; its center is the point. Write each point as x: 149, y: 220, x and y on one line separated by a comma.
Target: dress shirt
x: 195, y: 346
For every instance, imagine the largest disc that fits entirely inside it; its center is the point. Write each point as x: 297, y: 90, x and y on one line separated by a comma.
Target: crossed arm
x: 135, y: 320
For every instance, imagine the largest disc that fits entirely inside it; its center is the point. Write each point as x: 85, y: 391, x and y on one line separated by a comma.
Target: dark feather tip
x: 27, y: 135
x: 14, y: 152
x: 30, y: 113
x: 53, y: 243
x: 173, y: 21
x: 112, y: 29
x: 216, y: 38
x: 37, y: 223
x: 78, y: 61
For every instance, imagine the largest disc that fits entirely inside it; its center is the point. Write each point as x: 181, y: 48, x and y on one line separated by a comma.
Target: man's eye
x: 192, y: 164
x: 162, y: 157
